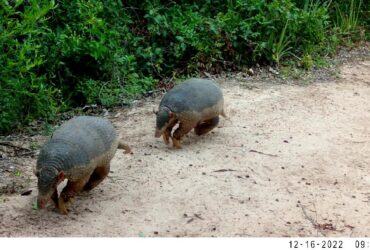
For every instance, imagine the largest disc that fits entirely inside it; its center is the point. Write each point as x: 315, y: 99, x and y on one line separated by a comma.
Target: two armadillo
x: 82, y: 148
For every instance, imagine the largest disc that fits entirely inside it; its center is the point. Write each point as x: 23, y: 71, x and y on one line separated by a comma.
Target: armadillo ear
x: 61, y: 176
x: 171, y: 114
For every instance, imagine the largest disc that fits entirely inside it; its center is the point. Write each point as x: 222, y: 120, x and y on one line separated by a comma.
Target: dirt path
x: 289, y: 161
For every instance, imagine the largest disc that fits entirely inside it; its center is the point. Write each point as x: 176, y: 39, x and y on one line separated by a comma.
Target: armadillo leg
x: 206, y: 126
x: 167, y: 134
x: 97, y: 176
x: 59, y: 202
x: 61, y: 206
x: 166, y: 137
x: 125, y: 147
x: 71, y: 190
x: 183, y: 129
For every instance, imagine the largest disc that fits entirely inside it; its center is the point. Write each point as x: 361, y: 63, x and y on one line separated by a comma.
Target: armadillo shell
x: 77, y: 142
x: 192, y: 95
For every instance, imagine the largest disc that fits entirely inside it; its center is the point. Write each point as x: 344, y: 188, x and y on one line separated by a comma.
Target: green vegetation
x: 57, y: 55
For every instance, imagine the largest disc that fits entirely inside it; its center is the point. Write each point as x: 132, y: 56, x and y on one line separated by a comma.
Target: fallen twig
x: 25, y: 153
x: 224, y: 170
x: 198, y: 216
x: 262, y: 153
x: 193, y: 217
x: 7, y: 144
x: 190, y: 220
x: 28, y: 192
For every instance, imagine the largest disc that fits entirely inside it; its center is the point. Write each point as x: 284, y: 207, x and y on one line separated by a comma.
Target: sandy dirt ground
x: 290, y: 160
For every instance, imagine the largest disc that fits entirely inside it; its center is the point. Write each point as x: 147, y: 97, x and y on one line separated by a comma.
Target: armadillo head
x: 48, y: 179
x: 164, y: 118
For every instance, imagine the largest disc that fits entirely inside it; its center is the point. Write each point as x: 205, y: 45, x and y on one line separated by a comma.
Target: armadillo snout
x: 42, y: 202
x: 158, y: 133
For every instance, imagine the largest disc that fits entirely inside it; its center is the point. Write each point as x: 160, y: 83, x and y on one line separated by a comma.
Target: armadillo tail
x: 223, y: 114
x: 125, y: 147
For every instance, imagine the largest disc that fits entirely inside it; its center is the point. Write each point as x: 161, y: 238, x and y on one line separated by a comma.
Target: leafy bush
x: 57, y: 55
x: 24, y: 94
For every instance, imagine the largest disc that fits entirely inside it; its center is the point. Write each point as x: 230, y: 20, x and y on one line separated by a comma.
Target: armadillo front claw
x: 176, y: 143
x: 166, y: 138
x: 61, y: 206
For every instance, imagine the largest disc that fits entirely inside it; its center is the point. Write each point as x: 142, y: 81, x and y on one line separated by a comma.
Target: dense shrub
x: 61, y: 54
x: 24, y: 92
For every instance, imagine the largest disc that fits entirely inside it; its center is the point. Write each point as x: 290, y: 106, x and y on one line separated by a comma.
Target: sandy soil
x: 290, y: 160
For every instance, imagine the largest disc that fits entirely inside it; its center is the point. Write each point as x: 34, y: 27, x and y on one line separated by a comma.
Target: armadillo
x: 196, y: 103
x: 80, y: 150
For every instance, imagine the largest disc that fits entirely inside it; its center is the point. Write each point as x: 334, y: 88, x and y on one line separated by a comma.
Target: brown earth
x: 290, y: 160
